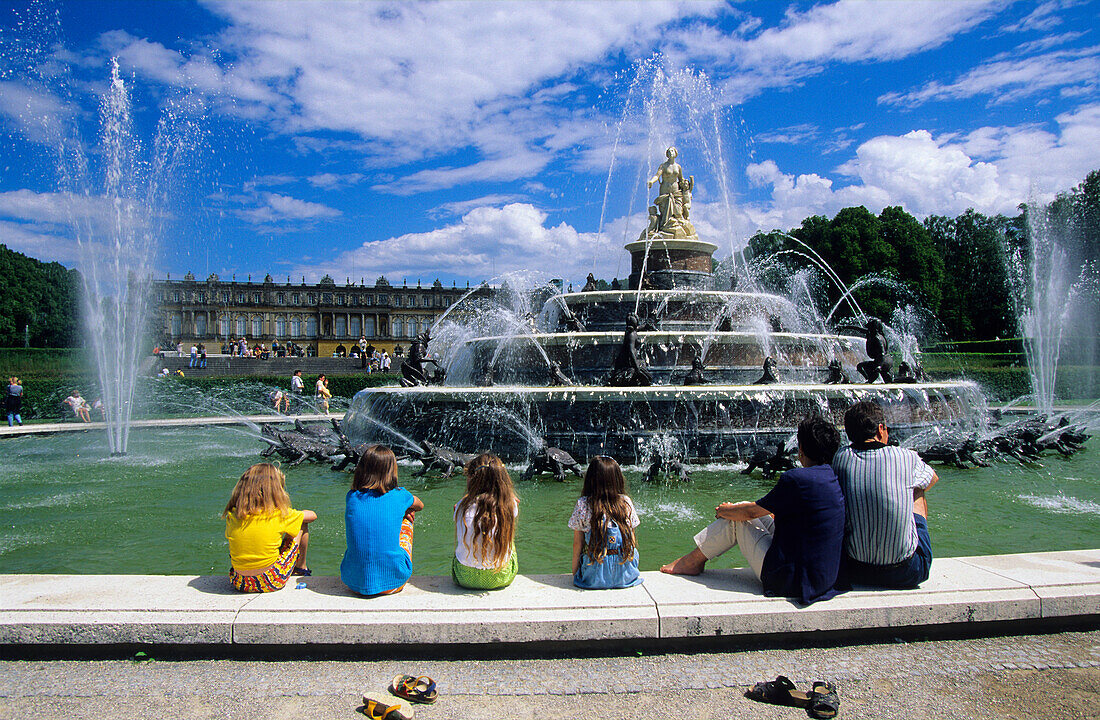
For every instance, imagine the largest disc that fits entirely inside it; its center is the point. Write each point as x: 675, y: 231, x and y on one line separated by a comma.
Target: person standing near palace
x: 13, y: 401
x: 363, y: 351
x: 886, y: 541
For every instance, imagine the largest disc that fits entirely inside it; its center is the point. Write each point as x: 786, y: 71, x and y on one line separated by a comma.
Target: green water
x: 68, y: 508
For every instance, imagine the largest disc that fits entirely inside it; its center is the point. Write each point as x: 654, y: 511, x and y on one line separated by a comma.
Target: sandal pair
x: 820, y: 702
x: 414, y: 689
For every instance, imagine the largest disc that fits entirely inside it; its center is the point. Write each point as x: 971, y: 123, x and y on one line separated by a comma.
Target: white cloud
x: 332, y: 181
x: 1007, y: 80
x: 33, y: 113
x: 461, y: 207
x: 849, y: 31
x: 38, y: 242
x: 992, y: 170
x: 486, y: 242
x: 272, y: 207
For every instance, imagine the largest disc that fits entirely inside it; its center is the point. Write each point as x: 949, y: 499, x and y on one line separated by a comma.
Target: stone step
x: 967, y: 595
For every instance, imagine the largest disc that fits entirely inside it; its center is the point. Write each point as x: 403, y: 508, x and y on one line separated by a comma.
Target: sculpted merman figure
x: 630, y: 367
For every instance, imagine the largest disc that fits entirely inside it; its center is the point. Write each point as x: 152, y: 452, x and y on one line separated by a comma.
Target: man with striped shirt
x: 886, y: 541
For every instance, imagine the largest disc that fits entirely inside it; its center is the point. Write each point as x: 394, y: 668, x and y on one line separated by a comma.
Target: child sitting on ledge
x: 267, y: 538
x: 379, y: 525
x: 485, y: 527
x: 604, y: 552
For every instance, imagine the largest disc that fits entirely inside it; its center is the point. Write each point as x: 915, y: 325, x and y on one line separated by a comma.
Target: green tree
x: 40, y: 302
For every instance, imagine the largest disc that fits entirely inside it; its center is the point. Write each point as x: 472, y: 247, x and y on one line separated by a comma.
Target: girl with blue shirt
x: 379, y: 524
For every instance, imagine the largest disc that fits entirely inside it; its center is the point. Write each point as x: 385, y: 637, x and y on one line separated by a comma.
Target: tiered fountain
x: 611, y: 372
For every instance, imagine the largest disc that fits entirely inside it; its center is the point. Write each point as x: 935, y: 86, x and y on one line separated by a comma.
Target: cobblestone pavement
x: 1034, y: 676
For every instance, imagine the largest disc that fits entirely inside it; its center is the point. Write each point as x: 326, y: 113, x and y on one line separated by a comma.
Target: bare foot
x: 691, y: 564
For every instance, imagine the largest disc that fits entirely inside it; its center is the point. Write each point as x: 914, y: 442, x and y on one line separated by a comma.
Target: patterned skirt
x: 270, y: 580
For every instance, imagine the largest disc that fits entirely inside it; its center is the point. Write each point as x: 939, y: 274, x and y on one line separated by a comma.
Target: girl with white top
x: 485, y: 527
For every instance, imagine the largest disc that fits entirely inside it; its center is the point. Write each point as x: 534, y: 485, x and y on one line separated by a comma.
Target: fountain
x: 631, y: 367
x: 132, y: 185
x: 1049, y: 287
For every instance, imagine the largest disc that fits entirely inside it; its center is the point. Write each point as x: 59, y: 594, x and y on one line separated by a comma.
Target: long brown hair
x: 260, y: 491
x: 605, y: 490
x: 377, y: 470
x: 489, y: 490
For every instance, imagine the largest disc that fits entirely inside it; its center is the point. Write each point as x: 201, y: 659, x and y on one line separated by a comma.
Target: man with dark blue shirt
x: 792, y: 537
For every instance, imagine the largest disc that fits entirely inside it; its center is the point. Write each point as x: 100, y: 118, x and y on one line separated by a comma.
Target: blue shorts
x: 908, y: 573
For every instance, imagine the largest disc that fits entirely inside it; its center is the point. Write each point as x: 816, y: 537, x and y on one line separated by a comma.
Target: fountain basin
x: 702, y: 422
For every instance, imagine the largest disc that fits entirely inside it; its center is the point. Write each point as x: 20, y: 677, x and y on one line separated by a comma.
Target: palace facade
x: 319, y: 317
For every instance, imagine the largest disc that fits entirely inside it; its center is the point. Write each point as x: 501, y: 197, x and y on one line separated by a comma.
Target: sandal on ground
x: 824, y: 702
x: 382, y: 711
x: 415, y: 689
x: 780, y: 691
x: 303, y: 572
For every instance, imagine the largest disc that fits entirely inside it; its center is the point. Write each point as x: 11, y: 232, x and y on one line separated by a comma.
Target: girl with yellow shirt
x: 267, y: 538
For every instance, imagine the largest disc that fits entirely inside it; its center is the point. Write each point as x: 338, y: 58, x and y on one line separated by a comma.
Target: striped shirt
x: 878, y: 486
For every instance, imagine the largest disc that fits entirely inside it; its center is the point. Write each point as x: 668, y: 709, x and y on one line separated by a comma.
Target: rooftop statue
x: 668, y: 217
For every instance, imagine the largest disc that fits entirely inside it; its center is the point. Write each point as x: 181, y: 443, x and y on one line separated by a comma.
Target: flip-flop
x: 382, y: 711
x: 415, y: 689
x: 780, y: 691
x: 824, y: 702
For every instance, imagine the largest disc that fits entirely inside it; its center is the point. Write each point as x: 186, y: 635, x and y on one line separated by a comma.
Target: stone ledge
x: 84, y: 610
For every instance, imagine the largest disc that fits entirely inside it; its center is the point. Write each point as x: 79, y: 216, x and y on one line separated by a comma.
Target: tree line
x: 960, y: 269
x: 39, y: 302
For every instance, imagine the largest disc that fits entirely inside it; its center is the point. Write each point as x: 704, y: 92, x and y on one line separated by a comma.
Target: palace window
x: 353, y: 327
x: 339, y: 299
x: 366, y: 299
x: 176, y: 323
x: 313, y: 298
x: 341, y: 326
x: 257, y: 326
x: 296, y: 326
x: 200, y: 297
x: 242, y: 326
x: 200, y: 325
x: 296, y: 298
x: 223, y: 325
x: 368, y: 327
x: 282, y: 298
x: 176, y: 296
x: 241, y: 298
x: 257, y: 298
x: 311, y: 326
x: 225, y: 298
x: 280, y: 326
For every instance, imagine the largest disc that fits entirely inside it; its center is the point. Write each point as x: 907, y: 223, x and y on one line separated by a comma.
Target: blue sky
x: 462, y: 141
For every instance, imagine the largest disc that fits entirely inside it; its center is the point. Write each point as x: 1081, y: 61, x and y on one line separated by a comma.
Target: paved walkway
x: 69, y: 427
x: 1055, y: 677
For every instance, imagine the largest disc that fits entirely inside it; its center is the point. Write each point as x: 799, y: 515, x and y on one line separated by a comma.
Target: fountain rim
x: 574, y: 392
x: 616, y: 336
x: 658, y: 243
x: 674, y: 293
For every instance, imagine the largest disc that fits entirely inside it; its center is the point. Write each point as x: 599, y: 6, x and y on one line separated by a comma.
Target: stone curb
x: 87, y: 610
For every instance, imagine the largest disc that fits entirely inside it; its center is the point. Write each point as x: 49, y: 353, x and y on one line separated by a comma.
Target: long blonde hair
x: 489, y: 490
x: 260, y: 491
